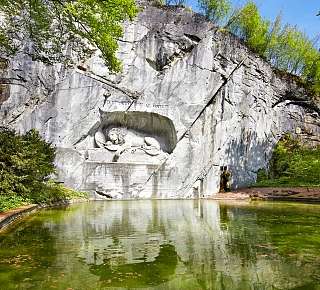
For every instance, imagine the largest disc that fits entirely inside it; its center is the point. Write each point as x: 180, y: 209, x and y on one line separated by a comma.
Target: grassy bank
x: 291, y: 165
x: 52, y: 193
x: 26, y: 164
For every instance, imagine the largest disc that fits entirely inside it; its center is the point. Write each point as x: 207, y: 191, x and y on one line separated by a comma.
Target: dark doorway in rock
x: 225, y: 179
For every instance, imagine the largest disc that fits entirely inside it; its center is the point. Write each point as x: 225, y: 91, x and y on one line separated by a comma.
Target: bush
x: 26, y: 163
x: 9, y: 202
x: 53, y: 192
x: 292, y: 165
x: 262, y: 174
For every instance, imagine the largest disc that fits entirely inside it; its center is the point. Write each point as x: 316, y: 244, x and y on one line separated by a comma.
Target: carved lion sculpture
x: 120, y: 140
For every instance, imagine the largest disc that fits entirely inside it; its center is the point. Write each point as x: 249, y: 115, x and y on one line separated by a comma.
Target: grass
x: 283, y: 182
x: 51, y: 193
x: 10, y: 202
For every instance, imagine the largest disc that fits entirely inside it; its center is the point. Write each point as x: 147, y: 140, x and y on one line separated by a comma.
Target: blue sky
x: 296, y: 12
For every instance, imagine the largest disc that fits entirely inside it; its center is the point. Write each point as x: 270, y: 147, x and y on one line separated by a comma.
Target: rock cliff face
x: 190, y: 100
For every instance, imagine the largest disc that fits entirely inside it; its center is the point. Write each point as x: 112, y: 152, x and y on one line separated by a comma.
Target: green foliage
x: 159, y: 3
x: 292, y: 165
x: 262, y: 174
x: 294, y: 52
x: 284, y: 46
x: 26, y: 162
x: 251, y: 27
x: 9, y: 202
x: 215, y: 10
x: 57, y: 30
x: 282, y: 155
x: 52, y: 192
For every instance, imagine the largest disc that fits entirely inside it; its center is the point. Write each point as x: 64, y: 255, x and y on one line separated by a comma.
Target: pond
x: 164, y: 244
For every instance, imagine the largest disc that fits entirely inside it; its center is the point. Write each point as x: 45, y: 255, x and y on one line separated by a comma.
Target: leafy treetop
x: 284, y: 46
x: 57, y: 30
x: 215, y: 10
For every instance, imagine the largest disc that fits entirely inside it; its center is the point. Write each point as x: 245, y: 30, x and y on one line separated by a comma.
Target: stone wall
x: 225, y: 105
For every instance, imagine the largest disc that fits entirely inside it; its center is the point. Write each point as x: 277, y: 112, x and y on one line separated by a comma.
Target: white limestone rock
x: 205, y: 97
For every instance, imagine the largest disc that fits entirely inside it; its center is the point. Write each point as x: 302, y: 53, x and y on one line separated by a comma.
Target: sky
x: 296, y: 12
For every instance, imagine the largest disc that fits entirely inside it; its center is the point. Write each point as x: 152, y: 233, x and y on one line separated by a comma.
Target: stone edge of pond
x: 10, y: 216
x: 293, y: 194
x: 236, y: 196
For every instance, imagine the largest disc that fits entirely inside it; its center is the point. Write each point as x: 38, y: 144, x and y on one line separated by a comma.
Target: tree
x: 60, y: 30
x: 284, y: 46
x: 215, y: 10
x: 25, y: 162
x: 252, y: 28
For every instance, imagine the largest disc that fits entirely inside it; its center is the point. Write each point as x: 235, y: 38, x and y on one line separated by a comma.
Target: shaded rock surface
x: 226, y: 105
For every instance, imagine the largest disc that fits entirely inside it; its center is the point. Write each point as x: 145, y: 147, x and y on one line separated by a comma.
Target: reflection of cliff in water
x: 141, y: 274
x: 166, y: 245
x: 210, y: 245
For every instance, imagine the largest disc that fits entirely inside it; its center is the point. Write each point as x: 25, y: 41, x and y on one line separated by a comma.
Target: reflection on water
x: 141, y: 274
x: 164, y: 245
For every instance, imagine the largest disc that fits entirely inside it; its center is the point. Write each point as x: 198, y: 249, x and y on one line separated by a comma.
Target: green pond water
x: 164, y: 245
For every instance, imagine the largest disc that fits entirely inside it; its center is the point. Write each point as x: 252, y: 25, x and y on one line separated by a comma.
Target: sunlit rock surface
x: 201, y: 97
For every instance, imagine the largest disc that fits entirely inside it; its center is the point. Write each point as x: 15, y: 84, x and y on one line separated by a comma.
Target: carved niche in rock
x: 135, y: 132
x: 121, y: 139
